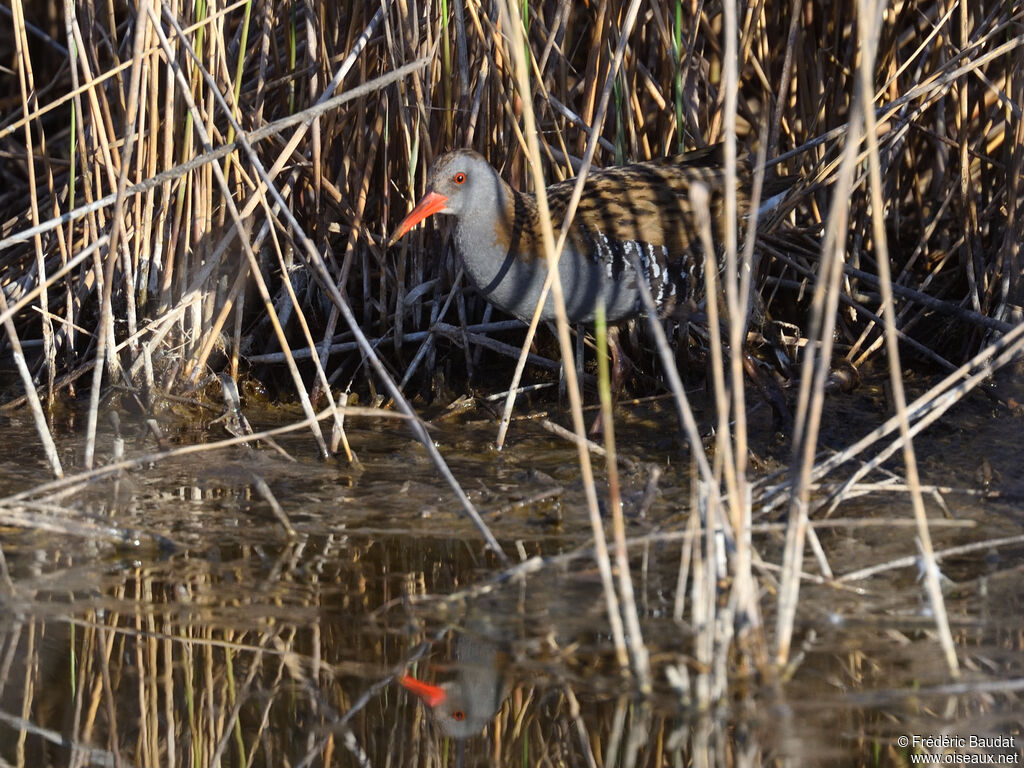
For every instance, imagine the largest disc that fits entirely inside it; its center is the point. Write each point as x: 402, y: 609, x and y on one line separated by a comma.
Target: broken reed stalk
x: 27, y: 89
x: 78, y: 481
x: 927, y: 408
x: 35, y: 406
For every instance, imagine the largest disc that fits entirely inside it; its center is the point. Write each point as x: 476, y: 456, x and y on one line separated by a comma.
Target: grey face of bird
x: 460, y: 183
x: 467, y: 182
x: 461, y: 707
x: 451, y: 177
x: 459, y: 715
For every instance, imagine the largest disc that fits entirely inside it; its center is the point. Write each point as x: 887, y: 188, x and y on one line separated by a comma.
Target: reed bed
x: 117, y: 154
x: 201, y: 195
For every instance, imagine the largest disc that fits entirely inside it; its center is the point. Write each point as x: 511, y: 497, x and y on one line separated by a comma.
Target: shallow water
x: 180, y: 624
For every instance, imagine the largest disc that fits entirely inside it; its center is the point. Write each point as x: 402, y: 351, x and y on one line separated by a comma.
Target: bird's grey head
x: 460, y: 715
x: 460, y: 183
x: 466, y: 180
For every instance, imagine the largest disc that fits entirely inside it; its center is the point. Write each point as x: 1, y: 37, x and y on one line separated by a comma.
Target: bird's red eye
x: 459, y: 178
x: 458, y: 714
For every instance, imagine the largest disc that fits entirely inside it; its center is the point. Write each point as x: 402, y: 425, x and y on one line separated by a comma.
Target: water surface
x: 168, y: 617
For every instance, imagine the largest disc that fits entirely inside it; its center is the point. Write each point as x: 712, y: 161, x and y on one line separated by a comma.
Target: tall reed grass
x: 192, y: 190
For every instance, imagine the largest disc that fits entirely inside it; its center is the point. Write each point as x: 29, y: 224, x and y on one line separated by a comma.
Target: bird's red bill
x: 432, y: 695
x: 431, y: 203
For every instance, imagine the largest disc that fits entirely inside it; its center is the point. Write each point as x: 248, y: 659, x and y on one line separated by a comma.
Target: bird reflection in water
x: 476, y: 682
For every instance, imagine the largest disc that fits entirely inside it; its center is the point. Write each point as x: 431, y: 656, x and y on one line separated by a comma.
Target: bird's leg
x: 617, y: 373
x: 768, y: 388
x: 580, y: 350
x: 619, y: 363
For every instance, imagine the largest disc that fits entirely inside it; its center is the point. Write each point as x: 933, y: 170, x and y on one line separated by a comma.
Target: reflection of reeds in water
x: 261, y: 659
x: 173, y: 208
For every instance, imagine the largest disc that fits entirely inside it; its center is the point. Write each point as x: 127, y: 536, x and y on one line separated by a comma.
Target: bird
x: 464, y: 705
x: 633, y: 222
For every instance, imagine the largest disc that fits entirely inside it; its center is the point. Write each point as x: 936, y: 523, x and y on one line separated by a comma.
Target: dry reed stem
x: 324, y: 277
x: 870, y: 19
x: 105, y: 330
x: 812, y: 380
x: 79, y: 480
x: 639, y: 655
x: 552, y: 252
